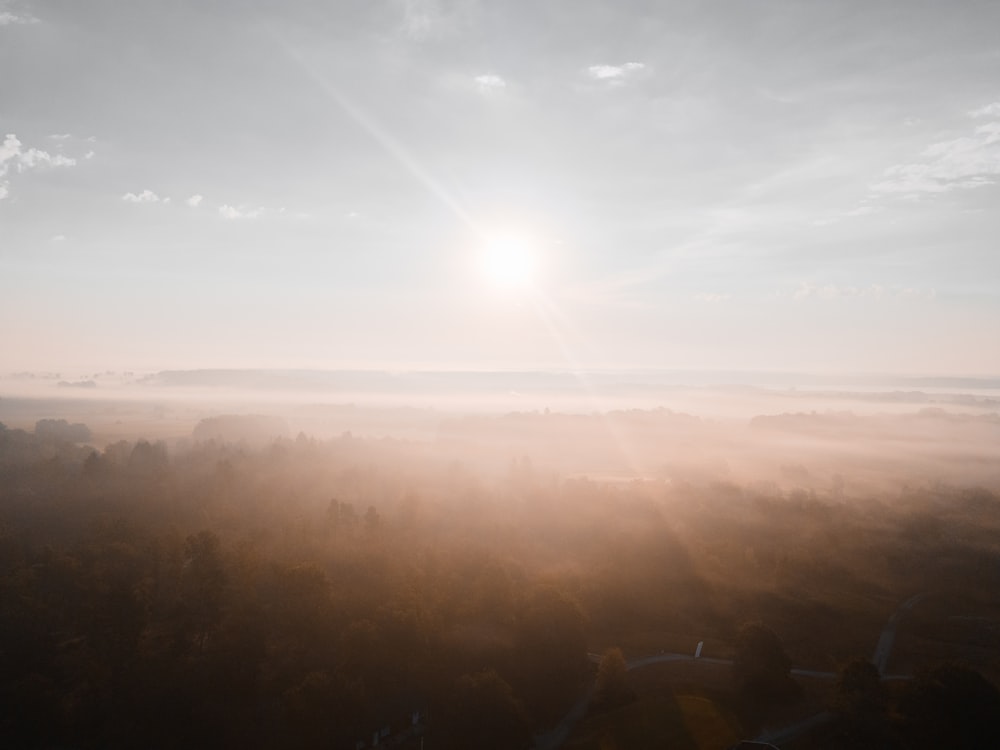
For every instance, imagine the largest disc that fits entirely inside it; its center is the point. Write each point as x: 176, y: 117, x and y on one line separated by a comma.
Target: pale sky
x: 795, y: 185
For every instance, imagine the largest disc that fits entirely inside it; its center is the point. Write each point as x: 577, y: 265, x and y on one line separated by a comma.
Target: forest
x: 357, y: 591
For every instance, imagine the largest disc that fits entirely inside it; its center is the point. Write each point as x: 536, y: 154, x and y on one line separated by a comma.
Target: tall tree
x: 861, y: 701
x: 612, y: 679
x: 761, y: 666
x: 952, y: 706
x: 204, y: 584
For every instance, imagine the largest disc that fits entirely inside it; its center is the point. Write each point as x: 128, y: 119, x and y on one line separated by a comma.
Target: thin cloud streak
x: 828, y: 292
x: 614, y: 72
x: 967, y: 162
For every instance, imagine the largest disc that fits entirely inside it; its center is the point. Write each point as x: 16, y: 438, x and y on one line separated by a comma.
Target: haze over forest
x: 405, y: 373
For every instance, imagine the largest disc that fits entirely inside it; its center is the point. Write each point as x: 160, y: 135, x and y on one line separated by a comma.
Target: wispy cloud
x: 490, y: 82
x: 239, y: 212
x: 14, y: 156
x: 810, y: 290
x: 614, y: 73
x: 9, y: 16
x: 864, y: 209
x: 194, y: 201
x: 34, y: 157
x: 990, y: 110
x: 963, y: 163
x: 418, y: 17
x: 146, y: 196
x: 427, y: 19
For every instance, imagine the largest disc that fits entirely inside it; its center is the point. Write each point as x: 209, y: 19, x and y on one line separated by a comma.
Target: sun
x: 510, y: 262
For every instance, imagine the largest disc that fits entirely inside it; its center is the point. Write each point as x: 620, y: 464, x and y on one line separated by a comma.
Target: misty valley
x: 182, y: 573
x: 467, y: 375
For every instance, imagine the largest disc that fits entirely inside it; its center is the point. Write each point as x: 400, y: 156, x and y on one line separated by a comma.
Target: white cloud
x: 239, y: 212
x: 429, y: 19
x: 194, y: 201
x: 963, y: 163
x: 614, y: 73
x: 13, y: 154
x: 490, y: 82
x: 990, y: 110
x: 712, y: 297
x: 146, y: 196
x: 33, y: 157
x: 10, y: 17
x: 10, y: 148
x: 58, y: 238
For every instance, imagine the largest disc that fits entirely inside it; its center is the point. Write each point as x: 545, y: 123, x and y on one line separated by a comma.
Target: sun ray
x: 552, y: 318
x: 383, y: 138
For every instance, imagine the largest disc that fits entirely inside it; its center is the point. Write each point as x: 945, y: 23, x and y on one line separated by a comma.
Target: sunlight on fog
x: 451, y: 375
x: 362, y: 557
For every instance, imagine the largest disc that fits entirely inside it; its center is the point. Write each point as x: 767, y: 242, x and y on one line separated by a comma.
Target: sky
x: 785, y: 185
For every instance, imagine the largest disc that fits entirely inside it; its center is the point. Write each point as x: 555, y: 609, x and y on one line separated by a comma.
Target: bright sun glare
x: 510, y: 262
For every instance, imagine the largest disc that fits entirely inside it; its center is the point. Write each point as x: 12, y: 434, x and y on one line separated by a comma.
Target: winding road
x: 888, y: 636
x: 557, y: 735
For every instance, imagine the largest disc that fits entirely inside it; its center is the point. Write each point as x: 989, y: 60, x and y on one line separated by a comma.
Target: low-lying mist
x: 347, y: 563
x: 610, y: 426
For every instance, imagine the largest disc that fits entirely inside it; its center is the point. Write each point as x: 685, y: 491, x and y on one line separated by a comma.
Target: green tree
x: 486, y: 714
x: 760, y: 664
x: 551, y: 650
x: 204, y: 584
x: 612, y: 686
x: 861, y: 701
x: 951, y: 706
